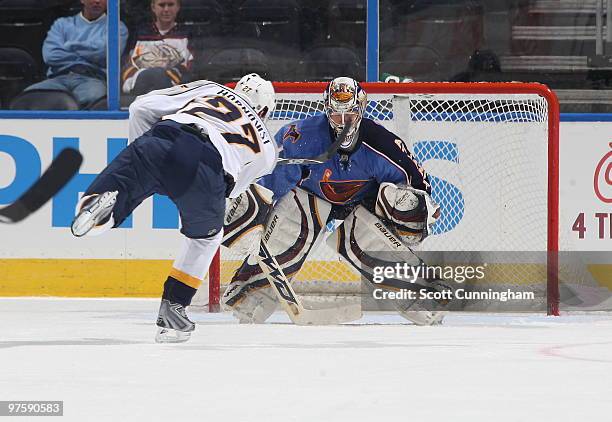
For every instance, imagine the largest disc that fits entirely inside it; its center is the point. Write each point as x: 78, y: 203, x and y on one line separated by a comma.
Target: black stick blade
x: 61, y: 170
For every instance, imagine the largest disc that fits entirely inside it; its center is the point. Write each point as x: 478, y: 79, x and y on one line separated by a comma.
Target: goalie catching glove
x: 410, y: 211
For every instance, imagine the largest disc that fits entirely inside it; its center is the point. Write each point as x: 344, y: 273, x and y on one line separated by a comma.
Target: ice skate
x: 174, y: 325
x: 95, y: 210
x: 424, y: 317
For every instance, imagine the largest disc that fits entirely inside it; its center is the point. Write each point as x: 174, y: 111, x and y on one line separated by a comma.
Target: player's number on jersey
x: 223, y: 109
x: 249, y: 140
x: 220, y: 108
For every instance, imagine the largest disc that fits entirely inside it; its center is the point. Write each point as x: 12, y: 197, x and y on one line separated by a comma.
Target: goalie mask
x: 345, y: 103
x: 259, y: 92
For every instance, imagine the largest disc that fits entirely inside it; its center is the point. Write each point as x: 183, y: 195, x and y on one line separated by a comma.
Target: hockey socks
x: 178, y: 292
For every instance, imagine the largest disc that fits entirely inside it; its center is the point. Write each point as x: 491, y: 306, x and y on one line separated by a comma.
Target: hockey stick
x: 61, y: 170
x: 292, y: 304
x: 298, y: 161
x: 321, y: 158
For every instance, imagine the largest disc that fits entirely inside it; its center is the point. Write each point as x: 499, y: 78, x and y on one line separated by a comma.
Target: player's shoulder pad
x: 377, y: 136
x: 385, y: 142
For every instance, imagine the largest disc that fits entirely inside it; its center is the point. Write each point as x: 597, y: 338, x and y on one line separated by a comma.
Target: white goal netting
x: 487, y: 154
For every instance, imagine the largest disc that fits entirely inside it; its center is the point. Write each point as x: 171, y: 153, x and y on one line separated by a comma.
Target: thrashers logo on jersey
x: 340, y: 191
x: 292, y: 134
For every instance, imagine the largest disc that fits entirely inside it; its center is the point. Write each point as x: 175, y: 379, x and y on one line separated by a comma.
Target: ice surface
x: 98, y: 356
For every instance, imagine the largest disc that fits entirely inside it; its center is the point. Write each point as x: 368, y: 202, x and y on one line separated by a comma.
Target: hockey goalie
x: 372, y: 185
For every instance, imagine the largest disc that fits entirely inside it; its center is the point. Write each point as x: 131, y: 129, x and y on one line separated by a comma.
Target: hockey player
x: 372, y: 171
x: 198, y: 144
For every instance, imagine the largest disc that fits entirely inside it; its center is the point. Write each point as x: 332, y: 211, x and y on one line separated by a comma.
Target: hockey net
x: 491, y: 150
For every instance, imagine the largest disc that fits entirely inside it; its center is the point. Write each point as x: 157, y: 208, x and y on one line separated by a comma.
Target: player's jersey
x: 381, y: 157
x: 246, y: 148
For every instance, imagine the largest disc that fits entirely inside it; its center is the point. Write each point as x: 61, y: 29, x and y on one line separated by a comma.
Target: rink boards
x: 40, y: 257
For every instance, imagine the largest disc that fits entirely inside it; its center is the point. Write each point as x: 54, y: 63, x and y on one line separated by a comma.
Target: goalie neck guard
x: 345, y: 103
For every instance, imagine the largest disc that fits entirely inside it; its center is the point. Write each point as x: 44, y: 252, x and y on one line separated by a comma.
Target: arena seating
x: 203, y: 17
x: 318, y: 39
x: 44, y: 100
x: 418, y: 62
x: 18, y: 69
x: 229, y: 64
x: 326, y: 62
x: 24, y: 24
x: 347, y: 22
x: 276, y: 21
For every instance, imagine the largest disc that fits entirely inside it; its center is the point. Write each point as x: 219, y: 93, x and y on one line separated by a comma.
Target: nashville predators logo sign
x: 343, y: 93
x: 340, y: 191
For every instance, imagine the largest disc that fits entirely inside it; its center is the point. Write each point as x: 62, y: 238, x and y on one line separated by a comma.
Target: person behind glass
x: 75, y: 54
x: 160, y: 57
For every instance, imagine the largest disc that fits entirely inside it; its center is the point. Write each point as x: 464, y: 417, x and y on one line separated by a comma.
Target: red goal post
x: 475, y: 135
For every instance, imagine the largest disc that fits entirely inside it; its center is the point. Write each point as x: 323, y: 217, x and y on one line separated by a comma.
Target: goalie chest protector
x: 381, y: 157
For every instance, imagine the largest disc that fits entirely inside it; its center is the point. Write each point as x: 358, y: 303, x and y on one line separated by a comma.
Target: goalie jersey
x: 247, y: 150
x: 381, y: 157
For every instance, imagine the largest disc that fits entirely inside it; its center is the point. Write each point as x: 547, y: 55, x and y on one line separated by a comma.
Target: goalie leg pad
x: 365, y: 242
x: 290, y: 231
x: 245, y: 217
x: 250, y: 303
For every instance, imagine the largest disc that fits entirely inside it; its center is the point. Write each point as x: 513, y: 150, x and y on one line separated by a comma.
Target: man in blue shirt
x: 75, y: 54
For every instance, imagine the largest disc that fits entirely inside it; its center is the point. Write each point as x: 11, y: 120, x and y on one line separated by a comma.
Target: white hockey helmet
x: 259, y: 92
x: 345, y: 103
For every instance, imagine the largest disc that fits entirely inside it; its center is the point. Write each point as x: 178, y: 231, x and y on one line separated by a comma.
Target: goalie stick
x: 321, y: 158
x: 61, y: 170
x: 291, y: 302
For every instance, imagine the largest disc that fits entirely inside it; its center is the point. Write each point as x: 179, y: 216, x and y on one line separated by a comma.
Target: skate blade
x: 167, y: 335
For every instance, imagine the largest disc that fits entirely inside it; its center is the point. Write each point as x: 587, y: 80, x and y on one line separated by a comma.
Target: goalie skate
x: 174, y: 325
x: 93, y: 212
x: 423, y: 317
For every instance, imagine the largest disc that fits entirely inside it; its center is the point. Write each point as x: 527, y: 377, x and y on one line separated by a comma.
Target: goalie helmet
x: 345, y: 103
x: 259, y: 92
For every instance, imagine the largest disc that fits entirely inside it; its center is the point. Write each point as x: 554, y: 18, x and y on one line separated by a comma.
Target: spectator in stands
x: 160, y: 56
x: 75, y: 54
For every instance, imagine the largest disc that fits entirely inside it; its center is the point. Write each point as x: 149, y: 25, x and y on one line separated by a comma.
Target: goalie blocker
x: 295, y: 224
